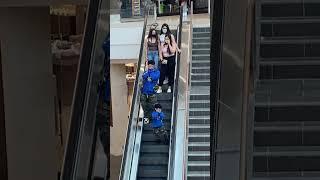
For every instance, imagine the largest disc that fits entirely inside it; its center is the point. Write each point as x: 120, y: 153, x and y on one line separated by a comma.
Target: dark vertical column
x: 80, y: 18
x: 3, y: 148
x: 230, y: 54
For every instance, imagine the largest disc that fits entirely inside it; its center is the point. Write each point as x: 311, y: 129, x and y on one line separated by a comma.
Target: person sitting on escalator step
x: 158, y: 126
x: 148, y: 94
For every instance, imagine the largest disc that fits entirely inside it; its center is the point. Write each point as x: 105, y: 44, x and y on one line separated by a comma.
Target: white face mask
x: 162, y: 38
x: 164, y: 30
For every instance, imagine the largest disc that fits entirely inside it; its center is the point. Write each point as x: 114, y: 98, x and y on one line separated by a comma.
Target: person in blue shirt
x: 148, y: 94
x: 158, y: 125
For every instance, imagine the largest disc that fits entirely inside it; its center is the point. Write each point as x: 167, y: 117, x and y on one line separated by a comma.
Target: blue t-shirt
x: 157, y: 119
x: 148, y: 86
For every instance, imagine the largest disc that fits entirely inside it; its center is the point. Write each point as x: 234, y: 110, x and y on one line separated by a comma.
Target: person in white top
x: 165, y: 30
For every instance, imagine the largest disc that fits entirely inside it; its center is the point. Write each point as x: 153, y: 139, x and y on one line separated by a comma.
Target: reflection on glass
x: 67, y: 26
x: 286, y: 121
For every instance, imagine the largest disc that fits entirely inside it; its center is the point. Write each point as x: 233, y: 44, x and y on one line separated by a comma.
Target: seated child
x: 158, y: 125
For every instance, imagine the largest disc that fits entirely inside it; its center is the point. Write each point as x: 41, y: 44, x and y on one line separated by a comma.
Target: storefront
x: 134, y: 8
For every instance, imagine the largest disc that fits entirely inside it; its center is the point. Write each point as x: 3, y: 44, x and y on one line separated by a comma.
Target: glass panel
x: 67, y: 27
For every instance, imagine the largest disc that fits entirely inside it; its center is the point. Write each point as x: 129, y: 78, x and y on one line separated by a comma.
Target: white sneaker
x: 145, y: 120
x: 169, y: 89
x: 165, y: 81
x: 159, y: 90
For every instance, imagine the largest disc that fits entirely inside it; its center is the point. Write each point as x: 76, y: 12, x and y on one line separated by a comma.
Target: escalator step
x: 164, y: 97
x: 152, y: 159
x: 154, y: 144
x: 149, y: 128
x: 149, y: 137
x: 153, y: 171
x: 166, y: 105
x: 203, y: 34
x: 161, y: 148
x: 207, y: 29
x: 167, y: 112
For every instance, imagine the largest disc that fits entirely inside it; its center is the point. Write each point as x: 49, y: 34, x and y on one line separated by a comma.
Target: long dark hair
x: 168, y: 29
x: 150, y: 34
x: 168, y: 36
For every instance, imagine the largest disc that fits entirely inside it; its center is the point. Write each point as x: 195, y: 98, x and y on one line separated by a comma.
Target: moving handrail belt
x: 175, y: 102
x: 128, y: 153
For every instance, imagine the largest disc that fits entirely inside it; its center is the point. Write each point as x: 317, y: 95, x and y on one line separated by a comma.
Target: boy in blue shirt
x: 148, y: 94
x: 158, y: 125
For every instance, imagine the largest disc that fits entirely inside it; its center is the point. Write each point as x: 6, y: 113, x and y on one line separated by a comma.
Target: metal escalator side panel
x: 77, y: 157
x: 172, y: 145
x: 136, y: 153
x: 128, y: 152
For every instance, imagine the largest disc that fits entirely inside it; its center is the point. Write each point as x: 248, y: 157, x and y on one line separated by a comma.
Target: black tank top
x: 152, y: 46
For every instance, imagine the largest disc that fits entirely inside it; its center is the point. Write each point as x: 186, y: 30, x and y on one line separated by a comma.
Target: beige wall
x: 28, y: 93
x: 120, y: 110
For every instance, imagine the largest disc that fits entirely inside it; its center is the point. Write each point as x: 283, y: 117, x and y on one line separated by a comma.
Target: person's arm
x: 173, y: 39
x: 146, y: 46
x: 172, y: 48
x: 160, y: 50
x: 145, y: 75
x: 162, y: 115
x: 153, y: 116
x: 155, y: 76
x: 175, y: 43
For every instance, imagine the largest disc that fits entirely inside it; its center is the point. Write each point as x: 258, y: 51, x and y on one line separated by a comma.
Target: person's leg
x: 156, y: 59
x: 156, y: 132
x: 171, y: 71
x: 163, y: 71
x: 164, y: 136
x: 150, y: 55
x: 144, y: 104
x: 151, y: 100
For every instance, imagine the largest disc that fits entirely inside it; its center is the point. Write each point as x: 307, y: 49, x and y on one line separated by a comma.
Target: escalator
x: 145, y: 157
x: 154, y: 155
x: 88, y: 129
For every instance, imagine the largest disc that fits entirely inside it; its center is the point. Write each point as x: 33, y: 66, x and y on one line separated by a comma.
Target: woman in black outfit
x: 167, y: 50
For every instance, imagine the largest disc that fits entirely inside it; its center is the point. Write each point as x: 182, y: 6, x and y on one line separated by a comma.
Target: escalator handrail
x: 174, y: 101
x: 133, y: 114
x: 80, y: 92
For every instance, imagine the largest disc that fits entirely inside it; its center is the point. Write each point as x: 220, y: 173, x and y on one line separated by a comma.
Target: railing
x: 171, y: 168
x: 137, y: 145
x: 186, y: 125
x: 129, y: 150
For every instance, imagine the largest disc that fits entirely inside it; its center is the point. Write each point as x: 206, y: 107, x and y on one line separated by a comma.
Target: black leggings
x: 167, y: 70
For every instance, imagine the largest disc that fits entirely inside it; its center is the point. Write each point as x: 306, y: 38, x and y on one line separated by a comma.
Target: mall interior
x: 245, y: 103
